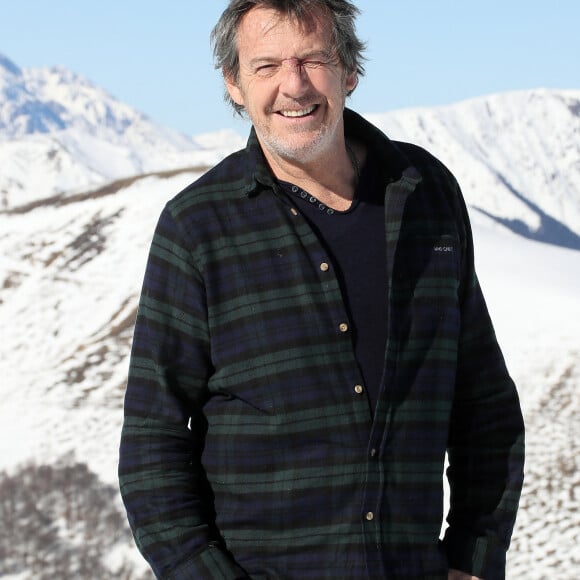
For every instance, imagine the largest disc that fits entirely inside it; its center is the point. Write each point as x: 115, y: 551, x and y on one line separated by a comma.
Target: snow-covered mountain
x: 59, y: 133
x: 516, y: 155
x: 73, y: 247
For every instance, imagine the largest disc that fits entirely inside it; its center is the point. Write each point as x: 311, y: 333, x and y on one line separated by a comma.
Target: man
x: 312, y: 340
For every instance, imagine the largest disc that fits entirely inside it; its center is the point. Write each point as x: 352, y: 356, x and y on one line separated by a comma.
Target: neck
x: 332, y: 178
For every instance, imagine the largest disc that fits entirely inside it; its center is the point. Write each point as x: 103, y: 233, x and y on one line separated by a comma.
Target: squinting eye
x: 266, y: 70
x: 312, y: 63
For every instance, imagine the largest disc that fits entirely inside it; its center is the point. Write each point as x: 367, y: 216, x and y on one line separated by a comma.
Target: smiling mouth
x: 299, y: 113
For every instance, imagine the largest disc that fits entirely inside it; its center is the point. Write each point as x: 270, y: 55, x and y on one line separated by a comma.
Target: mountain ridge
x: 60, y: 133
x: 108, y: 189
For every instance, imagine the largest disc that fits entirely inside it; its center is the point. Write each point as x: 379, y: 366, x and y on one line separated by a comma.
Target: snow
x: 74, y: 275
x: 77, y: 136
x: 71, y: 271
x: 532, y: 291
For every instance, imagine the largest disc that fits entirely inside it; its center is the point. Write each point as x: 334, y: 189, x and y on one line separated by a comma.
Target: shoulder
x: 230, y: 178
x: 428, y: 165
x: 223, y: 189
x: 437, y: 199
x: 396, y: 156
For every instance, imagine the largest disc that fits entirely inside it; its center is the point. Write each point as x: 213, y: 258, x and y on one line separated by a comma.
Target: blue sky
x: 155, y: 56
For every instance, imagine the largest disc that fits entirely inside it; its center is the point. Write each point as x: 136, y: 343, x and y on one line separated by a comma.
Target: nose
x: 294, y: 79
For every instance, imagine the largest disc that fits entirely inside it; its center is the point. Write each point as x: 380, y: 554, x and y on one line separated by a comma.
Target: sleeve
x: 486, y: 440
x: 163, y: 484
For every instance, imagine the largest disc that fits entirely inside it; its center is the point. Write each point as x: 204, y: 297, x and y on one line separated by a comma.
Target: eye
x: 266, y: 70
x: 313, y: 63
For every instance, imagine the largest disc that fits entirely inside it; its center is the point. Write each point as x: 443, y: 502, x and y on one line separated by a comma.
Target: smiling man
x: 312, y: 341
x: 293, y: 86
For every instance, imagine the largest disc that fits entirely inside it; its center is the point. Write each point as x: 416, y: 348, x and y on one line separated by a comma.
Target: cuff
x: 479, y: 556
x: 213, y: 563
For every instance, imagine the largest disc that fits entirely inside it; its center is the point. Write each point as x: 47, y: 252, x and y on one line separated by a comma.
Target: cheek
x: 257, y: 95
x: 333, y: 87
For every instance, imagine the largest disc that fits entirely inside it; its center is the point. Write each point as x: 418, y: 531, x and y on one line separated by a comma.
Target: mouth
x: 298, y: 113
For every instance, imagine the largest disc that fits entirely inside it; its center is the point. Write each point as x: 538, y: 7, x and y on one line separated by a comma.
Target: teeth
x: 301, y: 113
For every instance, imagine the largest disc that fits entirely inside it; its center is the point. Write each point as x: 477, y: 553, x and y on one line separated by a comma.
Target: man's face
x: 291, y: 84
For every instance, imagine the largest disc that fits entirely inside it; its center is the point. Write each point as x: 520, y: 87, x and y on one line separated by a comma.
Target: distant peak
x: 9, y: 66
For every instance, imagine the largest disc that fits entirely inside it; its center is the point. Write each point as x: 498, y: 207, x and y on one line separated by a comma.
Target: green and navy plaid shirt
x: 248, y: 447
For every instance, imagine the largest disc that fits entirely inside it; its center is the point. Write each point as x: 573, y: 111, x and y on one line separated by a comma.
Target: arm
x: 486, y: 442
x: 163, y: 483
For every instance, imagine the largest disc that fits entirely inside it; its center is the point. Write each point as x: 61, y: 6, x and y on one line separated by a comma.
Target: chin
x: 298, y: 147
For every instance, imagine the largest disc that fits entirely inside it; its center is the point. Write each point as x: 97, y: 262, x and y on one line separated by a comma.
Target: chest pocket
x: 426, y: 273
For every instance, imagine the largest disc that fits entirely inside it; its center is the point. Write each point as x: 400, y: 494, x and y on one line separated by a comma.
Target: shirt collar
x: 389, y: 157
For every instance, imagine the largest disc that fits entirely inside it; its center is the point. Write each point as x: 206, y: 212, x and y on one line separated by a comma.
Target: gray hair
x: 342, y: 14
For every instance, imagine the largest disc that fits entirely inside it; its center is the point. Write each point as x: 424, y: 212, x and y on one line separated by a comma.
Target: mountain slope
x: 60, y: 133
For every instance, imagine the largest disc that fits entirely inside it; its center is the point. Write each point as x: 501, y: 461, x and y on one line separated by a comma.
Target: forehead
x: 265, y: 32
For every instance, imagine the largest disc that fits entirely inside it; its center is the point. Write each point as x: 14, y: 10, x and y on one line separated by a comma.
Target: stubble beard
x: 296, y: 146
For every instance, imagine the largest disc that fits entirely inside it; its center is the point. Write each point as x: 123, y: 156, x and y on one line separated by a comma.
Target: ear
x: 234, y: 91
x: 351, y: 81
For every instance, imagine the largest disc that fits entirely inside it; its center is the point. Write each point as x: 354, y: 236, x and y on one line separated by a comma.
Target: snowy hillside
x: 71, y: 267
x: 75, y: 136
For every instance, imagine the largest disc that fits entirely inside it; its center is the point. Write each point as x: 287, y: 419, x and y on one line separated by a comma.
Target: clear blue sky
x: 155, y: 56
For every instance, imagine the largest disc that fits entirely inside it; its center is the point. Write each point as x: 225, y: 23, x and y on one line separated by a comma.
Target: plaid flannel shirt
x: 248, y: 449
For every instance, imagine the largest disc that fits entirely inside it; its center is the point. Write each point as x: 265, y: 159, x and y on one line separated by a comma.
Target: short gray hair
x: 342, y: 14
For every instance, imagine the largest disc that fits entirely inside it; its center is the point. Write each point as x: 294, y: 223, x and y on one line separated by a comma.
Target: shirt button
x: 294, y: 211
x: 324, y: 267
x: 373, y: 452
x: 359, y: 390
x: 369, y: 516
x: 343, y: 327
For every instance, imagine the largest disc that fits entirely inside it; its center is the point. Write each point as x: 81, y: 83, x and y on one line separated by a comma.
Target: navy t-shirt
x: 355, y: 241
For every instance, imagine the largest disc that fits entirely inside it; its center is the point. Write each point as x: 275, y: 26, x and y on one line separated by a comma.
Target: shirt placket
x: 338, y: 317
x: 369, y: 508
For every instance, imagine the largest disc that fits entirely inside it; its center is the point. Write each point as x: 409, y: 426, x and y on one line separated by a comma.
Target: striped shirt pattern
x: 248, y: 448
